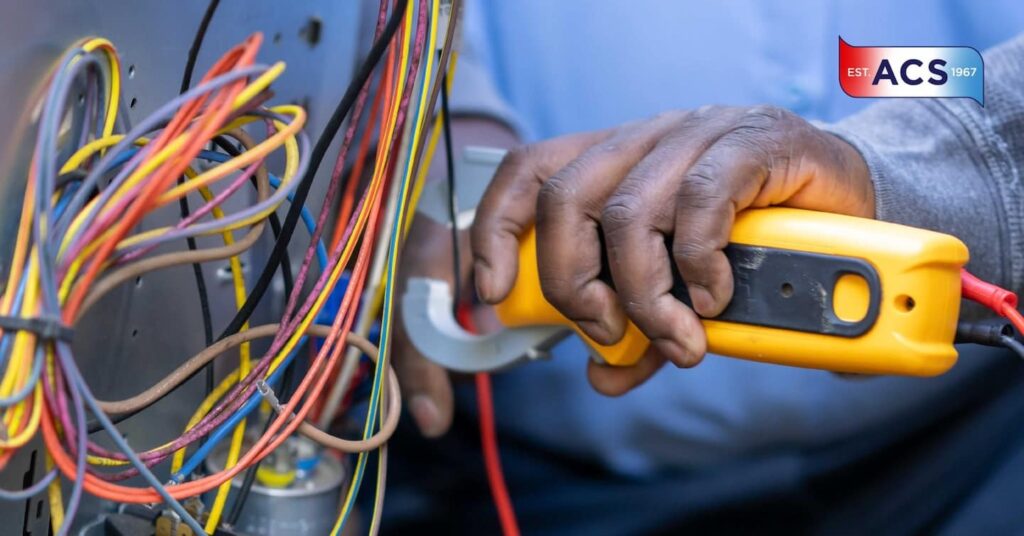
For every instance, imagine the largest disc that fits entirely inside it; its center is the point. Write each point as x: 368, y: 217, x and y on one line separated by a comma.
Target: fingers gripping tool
x: 811, y: 289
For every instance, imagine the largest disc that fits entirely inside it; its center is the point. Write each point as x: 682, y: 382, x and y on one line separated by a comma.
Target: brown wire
x: 213, y: 351
x: 177, y: 258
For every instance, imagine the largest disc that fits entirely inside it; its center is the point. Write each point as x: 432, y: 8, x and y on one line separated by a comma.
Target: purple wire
x: 147, y: 125
x: 202, y: 211
x: 275, y: 199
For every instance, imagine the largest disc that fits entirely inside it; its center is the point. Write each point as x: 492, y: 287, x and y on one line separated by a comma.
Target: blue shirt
x: 555, y: 67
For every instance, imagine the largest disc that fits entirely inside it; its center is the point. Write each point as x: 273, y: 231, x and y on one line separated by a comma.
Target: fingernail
x: 703, y: 302
x: 427, y: 416
x: 484, y: 283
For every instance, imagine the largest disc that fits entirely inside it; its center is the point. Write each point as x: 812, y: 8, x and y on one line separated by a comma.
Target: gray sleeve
x: 474, y: 89
x: 953, y: 166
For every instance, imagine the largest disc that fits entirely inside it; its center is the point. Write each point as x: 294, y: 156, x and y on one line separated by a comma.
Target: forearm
x: 953, y: 166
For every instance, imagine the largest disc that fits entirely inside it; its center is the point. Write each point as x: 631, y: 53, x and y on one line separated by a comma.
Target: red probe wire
x: 489, y: 443
x: 1003, y: 302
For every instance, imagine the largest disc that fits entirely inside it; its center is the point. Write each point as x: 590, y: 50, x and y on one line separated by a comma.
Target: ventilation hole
x: 786, y: 290
x: 81, y: 99
x: 30, y: 473
x: 905, y: 303
x: 133, y: 102
x: 312, y: 31
x: 135, y: 333
x: 138, y: 281
x: 26, y: 481
x: 277, y: 37
x: 39, y: 509
x: 131, y: 72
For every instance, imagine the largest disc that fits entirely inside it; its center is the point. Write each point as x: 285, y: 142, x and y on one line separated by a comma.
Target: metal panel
x: 143, y: 330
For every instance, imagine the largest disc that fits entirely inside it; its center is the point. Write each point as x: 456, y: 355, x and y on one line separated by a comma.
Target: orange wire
x: 217, y: 112
x: 1014, y: 316
x: 345, y: 211
x: 264, y: 446
x: 348, y: 198
x: 272, y: 438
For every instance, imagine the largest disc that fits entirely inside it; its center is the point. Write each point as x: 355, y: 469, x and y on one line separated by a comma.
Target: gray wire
x: 50, y: 304
x: 91, y: 181
x: 1014, y: 345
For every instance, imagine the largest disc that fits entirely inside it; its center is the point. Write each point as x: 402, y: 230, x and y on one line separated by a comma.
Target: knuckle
x: 700, y: 189
x: 670, y: 116
x: 692, y: 252
x: 558, y: 291
x: 556, y: 192
x: 637, y: 309
x: 623, y: 209
x: 767, y: 113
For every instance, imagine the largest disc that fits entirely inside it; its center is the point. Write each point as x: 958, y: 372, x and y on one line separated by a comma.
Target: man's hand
x: 427, y: 252
x: 680, y: 174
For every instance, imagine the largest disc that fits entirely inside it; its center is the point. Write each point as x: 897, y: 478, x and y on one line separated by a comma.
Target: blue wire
x: 384, y: 331
x: 229, y: 425
x: 213, y: 156
x: 6, y: 340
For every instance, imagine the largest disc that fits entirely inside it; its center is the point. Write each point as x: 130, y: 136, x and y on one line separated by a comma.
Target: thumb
x: 426, y: 388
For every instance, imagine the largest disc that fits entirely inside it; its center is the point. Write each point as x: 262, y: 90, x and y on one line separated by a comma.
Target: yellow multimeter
x: 812, y: 289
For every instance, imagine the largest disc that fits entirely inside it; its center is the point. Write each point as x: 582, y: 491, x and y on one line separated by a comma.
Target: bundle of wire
x: 79, y: 237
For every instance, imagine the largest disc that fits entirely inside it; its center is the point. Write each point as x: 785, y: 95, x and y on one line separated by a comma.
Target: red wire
x: 1003, y: 302
x: 489, y: 444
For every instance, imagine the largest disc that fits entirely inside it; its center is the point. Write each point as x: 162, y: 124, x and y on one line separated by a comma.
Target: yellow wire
x: 56, y: 500
x: 286, y: 132
x: 238, y: 279
x: 222, y: 388
x: 170, y: 150
x: 416, y: 132
x: 114, y: 92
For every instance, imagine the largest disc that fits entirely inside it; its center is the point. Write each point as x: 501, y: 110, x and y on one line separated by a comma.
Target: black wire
x: 197, y: 268
x: 1014, y: 345
x: 286, y: 277
x: 278, y: 255
x: 319, y: 151
x: 453, y: 212
x: 275, y: 222
x: 316, y: 158
x: 197, y: 43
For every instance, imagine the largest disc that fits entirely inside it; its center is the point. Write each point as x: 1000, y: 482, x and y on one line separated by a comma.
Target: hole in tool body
x: 850, y: 298
x: 905, y: 303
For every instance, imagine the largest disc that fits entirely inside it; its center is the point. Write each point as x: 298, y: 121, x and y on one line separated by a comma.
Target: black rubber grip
x: 787, y: 289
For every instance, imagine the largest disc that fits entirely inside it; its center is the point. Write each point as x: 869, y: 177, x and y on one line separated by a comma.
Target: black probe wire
x: 278, y: 255
x: 1013, y: 345
x: 197, y: 268
x: 453, y: 212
